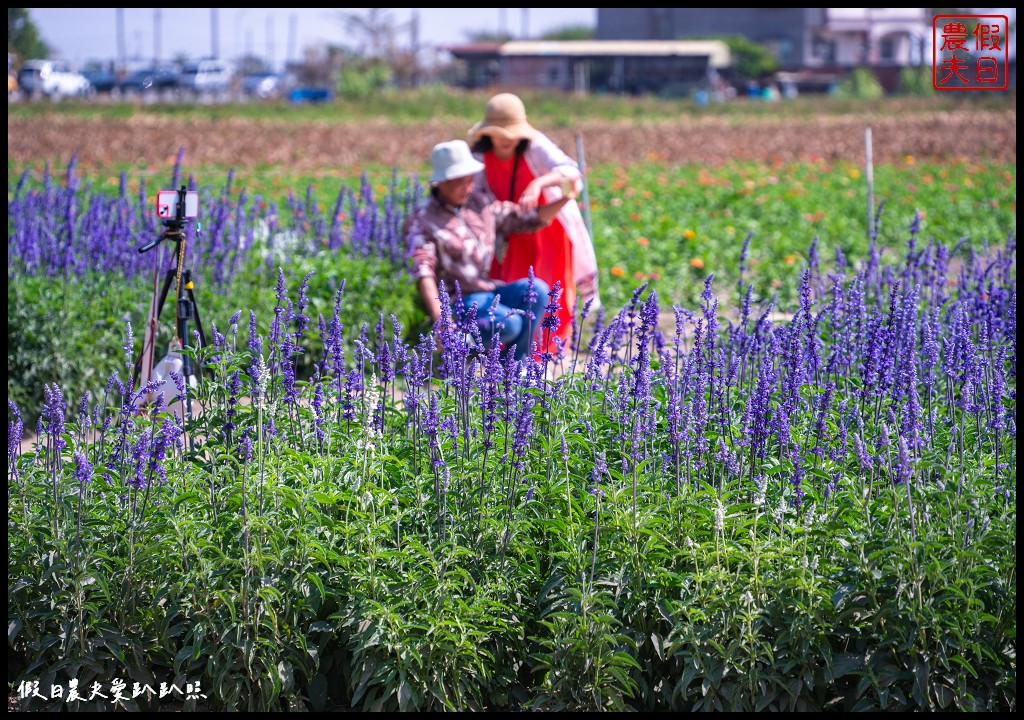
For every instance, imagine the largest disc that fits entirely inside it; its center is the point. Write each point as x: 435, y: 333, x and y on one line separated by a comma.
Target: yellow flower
x: 909, y: 160
x: 854, y: 173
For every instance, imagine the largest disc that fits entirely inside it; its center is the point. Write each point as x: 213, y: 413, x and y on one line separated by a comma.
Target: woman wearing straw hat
x: 524, y: 165
x: 453, y: 233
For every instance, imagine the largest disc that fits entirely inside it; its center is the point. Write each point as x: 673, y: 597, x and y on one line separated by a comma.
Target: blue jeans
x: 514, y: 328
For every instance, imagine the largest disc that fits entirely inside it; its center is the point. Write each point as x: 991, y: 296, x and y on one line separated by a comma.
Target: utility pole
x: 120, y: 42
x: 526, y: 24
x: 215, y: 51
x: 414, y: 40
x: 293, y: 26
x: 156, y: 37
x: 270, y: 41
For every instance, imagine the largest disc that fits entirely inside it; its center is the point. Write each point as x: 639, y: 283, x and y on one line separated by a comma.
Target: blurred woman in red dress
x: 523, y: 165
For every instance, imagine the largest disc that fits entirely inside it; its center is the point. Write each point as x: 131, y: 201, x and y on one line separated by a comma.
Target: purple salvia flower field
x: 710, y: 506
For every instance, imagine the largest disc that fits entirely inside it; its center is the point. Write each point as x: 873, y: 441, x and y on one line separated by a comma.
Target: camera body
x: 167, y: 204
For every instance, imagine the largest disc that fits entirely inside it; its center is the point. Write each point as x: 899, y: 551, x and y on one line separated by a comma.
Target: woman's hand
x: 531, y: 194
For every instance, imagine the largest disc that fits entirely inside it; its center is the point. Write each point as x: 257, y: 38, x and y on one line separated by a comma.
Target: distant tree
x: 570, y: 32
x: 488, y: 36
x: 23, y: 39
x: 383, y: 58
x: 750, y: 60
x: 375, y: 32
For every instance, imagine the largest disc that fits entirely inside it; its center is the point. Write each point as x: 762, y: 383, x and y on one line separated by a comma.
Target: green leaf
x: 13, y: 628
x: 656, y: 643
x: 840, y: 595
x: 919, y: 691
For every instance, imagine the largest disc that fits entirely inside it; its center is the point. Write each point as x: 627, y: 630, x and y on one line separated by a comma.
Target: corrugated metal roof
x: 717, y: 50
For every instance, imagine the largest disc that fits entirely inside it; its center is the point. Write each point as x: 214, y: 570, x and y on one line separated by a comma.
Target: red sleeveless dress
x: 549, y: 250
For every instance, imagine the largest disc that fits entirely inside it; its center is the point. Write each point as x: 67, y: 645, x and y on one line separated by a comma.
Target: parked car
x: 100, y: 81
x: 52, y: 78
x: 263, y: 85
x: 163, y: 77
x: 207, y: 76
x: 313, y: 95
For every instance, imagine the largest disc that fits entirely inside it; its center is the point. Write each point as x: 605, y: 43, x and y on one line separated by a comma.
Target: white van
x: 52, y: 78
x: 207, y: 76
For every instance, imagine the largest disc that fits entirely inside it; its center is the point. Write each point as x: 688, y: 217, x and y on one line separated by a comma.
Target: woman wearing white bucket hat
x: 524, y: 165
x: 452, y: 233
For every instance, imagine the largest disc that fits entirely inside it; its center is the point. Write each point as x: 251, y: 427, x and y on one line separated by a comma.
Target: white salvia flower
x: 747, y: 599
x: 759, y: 497
x: 373, y: 395
x: 809, y: 517
x: 719, y: 517
x: 780, y: 510
x: 264, y: 379
x: 688, y: 542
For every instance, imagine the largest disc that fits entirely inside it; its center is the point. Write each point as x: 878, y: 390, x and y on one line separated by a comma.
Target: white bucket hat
x: 451, y: 160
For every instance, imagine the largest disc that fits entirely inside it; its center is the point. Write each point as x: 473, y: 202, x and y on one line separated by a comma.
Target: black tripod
x: 186, y: 308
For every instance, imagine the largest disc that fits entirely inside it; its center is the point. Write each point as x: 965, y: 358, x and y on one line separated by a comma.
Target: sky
x: 82, y: 34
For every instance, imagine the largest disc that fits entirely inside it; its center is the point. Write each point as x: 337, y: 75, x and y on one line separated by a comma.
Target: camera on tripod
x: 175, y: 208
x: 170, y: 204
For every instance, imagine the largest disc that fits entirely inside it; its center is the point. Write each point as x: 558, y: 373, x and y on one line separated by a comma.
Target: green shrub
x: 67, y: 332
x: 860, y: 85
x: 916, y: 81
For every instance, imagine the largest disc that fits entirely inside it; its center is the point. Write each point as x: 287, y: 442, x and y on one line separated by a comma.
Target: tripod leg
x: 195, y: 313
x: 153, y: 320
x: 183, y: 312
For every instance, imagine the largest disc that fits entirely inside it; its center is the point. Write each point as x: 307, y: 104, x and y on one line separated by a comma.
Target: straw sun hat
x: 504, y: 115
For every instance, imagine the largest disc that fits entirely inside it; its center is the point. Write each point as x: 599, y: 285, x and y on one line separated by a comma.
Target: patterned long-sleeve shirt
x: 454, y: 244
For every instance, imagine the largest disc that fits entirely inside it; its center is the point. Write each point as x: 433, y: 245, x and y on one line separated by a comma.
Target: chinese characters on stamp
x: 970, y: 52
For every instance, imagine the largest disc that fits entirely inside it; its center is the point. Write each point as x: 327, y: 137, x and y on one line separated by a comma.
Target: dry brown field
x: 965, y: 134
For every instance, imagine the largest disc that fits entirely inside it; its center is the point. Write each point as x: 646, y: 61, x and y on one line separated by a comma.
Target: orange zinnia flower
x: 696, y: 263
x: 689, y: 234
x: 639, y: 275
x: 643, y: 242
x: 617, y: 271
